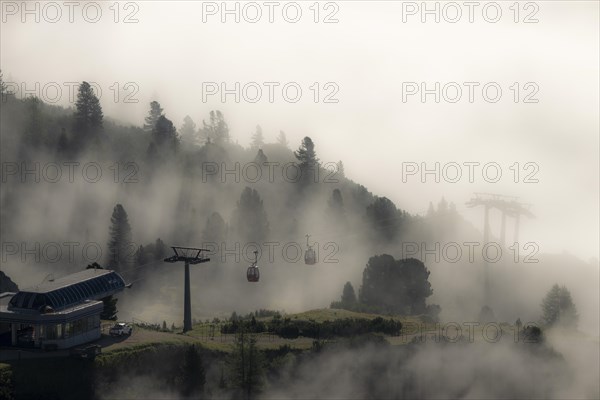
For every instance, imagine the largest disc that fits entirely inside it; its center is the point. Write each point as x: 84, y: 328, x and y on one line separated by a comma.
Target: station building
x: 58, y: 314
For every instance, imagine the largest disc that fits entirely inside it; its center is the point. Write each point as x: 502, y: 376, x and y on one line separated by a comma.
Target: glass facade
x: 70, y: 295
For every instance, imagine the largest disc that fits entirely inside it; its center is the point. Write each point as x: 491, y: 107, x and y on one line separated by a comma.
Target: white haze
x: 170, y: 52
x: 369, y: 53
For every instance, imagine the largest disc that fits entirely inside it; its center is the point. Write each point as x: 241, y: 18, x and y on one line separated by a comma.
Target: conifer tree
x: 120, y: 255
x: 153, y: 114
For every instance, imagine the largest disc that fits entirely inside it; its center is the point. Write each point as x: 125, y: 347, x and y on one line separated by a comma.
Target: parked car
x: 120, y: 329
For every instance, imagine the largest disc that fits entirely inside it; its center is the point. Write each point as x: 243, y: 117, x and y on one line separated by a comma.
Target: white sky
x: 368, y: 54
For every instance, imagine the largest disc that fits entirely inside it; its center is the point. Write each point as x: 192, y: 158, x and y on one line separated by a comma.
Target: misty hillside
x: 299, y: 200
x: 66, y: 170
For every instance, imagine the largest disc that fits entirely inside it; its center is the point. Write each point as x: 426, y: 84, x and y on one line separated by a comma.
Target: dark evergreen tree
x: 192, y: 375
x: 384, y: 217
x: 307, y: 162
x: 120, y: 254
x: 110, y: 308
x: 558, y: 308
x: 246, y: 366
x: 250, y: 218
x: 88, y: 114
x: 164, y: 133
x: 348, y: 295
x: 399, y: 286
x: 153, y: 115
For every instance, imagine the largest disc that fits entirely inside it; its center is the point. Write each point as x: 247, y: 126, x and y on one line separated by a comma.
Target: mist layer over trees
x: 122, y: 195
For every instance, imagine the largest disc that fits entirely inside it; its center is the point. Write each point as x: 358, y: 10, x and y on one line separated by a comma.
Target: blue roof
x: 90, y: 284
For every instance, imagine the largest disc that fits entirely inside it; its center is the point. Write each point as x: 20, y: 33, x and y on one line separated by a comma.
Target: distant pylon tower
x: 189, y: 255
x: 509, y: 206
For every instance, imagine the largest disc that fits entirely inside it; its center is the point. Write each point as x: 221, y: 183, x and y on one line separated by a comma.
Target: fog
x: 169, y: 54
x: 543, y: 153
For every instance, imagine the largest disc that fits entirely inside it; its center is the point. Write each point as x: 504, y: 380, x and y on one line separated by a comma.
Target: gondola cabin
x: 253, y: 274
x: 310, y: 257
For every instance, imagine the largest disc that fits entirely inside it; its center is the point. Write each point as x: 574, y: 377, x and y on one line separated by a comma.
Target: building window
x: 54, y: 331
x: 93, y: 322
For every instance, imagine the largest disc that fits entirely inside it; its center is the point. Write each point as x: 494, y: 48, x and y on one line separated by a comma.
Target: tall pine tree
x: 120, y: 250
x: 307, y: 161
x: 246, y: 366
x: 155, y: 112
x: 88, y: 114
x: 164, y: 133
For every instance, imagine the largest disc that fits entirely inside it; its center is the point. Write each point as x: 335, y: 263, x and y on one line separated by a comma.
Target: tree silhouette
x: 246, y: 366
x: 160, y: 249
x: 35, y: 121
x: 164, y: 133
x: 216, y: 130
x: 336, y: 202
x: 307, y: 161
x: 188, y: 130
x: 282, y: 139
x: 62, y: 145
x: 155, y: 112
x: 250, y: 218
x: 110, y: 308
x: 336, y: 214
x: 192, y: 375
x: 558, y: 308
x: 260, y: 158
x: 3, y: 87
x: 215, y: 230
x: 88, y: 114
x: 348, y: 295
x: 339, y: 169
x: 120, y: 254
x: 258, y: 140
x: 399, y: 286
x: 384, y: 217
